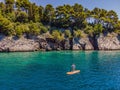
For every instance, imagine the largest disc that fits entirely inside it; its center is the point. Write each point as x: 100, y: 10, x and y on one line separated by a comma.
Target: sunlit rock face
x: 13, y: 44
x: 22, y: 44
x: 109, y: 43
x: 82, y: 44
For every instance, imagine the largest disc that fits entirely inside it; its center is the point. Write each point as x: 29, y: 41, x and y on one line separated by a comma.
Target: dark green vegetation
x: 23, y: 17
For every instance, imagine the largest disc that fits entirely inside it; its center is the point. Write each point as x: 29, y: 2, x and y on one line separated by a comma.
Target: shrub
x: 34, y: 29
x: 57, y: 35
x: 11, y: 16
x: 117, y: 31
x: 67, y: 33
x: 98, y: 28
x: 6, y: 27
x: 78, y: 33
x: 43, y: 29
x: 89, y: 30
x: 22, y: 17
x: 20, y: 29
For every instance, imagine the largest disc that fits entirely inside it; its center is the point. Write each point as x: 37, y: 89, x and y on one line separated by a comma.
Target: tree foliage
x: 22, y: 17
x: 67, y: 33
x: 73, y: 19
x: 78, y: 33
x: 34, y: 29
x: 6, y: 27
x: 57, y: 35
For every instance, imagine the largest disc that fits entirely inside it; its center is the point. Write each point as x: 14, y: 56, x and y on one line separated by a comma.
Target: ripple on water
x: 100, y: 70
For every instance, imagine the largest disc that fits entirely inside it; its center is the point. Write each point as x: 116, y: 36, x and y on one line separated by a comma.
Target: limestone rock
x: 109, y: 43
x: 82, y: 44
x: 66, y: 44
x: 22, y: 44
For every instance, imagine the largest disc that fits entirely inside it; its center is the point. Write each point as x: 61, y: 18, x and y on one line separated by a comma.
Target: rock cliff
x: 11, y: 44
x: 109, y: 43
x: 82, y: 44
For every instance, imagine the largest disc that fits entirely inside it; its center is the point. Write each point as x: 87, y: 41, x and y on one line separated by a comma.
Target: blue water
x: 100, y: 70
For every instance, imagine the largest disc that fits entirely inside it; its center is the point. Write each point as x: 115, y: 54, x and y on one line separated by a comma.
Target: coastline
x: 39, y: 43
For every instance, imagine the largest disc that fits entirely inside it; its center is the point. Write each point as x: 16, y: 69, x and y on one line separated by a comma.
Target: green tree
x: 48, y: 14
x: 112, y: 19
x: 23, y: 5
x: 6, y: 27
x: 79, y: 16
x: 35, y: 13
x: 98, y: 28
x: 10, y: 16
x: 34, y: 29
x: 43, y: 29
x: 67, y: 33
x: 93, y: 31
x: 95, y: 13
x: 63, y: 16
x: 57, y: 35
x: 22, y: 17
x: 41, y: 10
x: 78, y: 33
x: 9, y: 5
x: 76, y: 18
x: 20, y: 29
x: 2, y: 8
x: 117, y: 28
x: 89, y: 30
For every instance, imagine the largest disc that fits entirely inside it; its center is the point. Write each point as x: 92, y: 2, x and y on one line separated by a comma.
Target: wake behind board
x: 73, y: 72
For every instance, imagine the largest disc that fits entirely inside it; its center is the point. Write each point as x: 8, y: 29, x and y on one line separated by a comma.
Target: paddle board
x: 73, y: 72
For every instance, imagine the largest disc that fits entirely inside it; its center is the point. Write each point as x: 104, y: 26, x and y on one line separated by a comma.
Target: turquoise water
x: 100, y: 70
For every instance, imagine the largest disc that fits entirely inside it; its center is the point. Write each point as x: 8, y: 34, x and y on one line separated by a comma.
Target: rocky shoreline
x: 14, y: 44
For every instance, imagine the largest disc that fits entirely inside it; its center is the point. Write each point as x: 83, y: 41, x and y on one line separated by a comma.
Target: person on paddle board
x: 73, y: 67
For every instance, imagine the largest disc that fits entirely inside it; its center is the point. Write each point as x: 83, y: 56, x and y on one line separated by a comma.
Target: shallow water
x: 100, y: 70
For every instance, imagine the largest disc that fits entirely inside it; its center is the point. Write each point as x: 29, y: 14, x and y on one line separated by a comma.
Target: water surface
x: 100, y: 70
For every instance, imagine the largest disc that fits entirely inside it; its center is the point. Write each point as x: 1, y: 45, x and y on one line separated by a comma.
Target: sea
x: 99, y: 70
